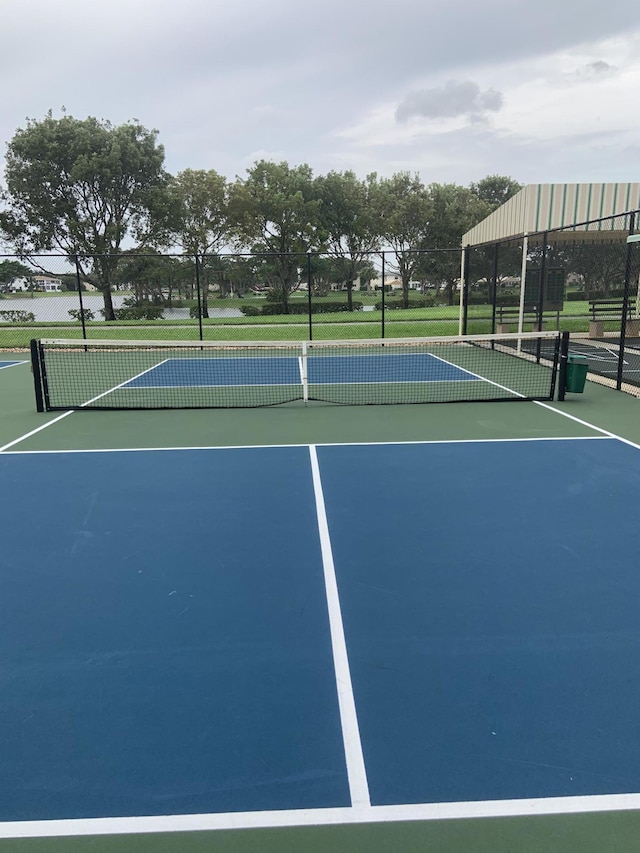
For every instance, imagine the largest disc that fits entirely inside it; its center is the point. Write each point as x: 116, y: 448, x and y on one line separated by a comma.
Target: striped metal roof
x: 542, y: 207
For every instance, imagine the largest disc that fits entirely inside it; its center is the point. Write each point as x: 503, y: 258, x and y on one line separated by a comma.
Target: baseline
x: 321, y: 817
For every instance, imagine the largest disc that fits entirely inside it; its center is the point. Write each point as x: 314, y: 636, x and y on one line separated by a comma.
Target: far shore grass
x: 398, y: 323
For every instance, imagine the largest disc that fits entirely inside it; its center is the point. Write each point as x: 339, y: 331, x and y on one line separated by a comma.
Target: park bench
x: 601, y: 310
x: 504, y: 313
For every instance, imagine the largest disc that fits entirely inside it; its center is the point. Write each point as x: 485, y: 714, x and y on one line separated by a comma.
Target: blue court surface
x: 234, y: 630
x: 287, y: 370
x: 4, y: 364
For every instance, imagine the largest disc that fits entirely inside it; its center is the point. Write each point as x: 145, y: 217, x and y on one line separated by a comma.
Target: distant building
x: 47, y: 284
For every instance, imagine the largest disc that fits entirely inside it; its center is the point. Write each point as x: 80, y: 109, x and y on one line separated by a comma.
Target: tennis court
x: 320, y: 627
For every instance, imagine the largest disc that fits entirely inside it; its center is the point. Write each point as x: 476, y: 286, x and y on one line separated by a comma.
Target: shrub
x: 273, y: 308
x: 17, y: 317
x: 139, y: 312
x: 422, y: 302
x: 77, y: 315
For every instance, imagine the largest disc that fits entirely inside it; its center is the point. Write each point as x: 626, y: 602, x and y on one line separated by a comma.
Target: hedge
x: 17, y: 317
x: 424, y: 302
x: 139, y: 312
x: 316, y: 308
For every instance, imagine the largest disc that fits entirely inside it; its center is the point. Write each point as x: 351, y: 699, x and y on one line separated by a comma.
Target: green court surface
x: 599, y: 411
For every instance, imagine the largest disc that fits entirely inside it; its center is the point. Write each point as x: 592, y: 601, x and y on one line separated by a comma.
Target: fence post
x: 309, y: 294
x: 543, y: 275
x: 625, y: 304
x: 464, y: 284
x: 494, y: 286
x: 199, y: 295
x: 382, y: 301
x: 79, y: 283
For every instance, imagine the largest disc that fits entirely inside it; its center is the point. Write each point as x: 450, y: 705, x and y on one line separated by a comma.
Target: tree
x: 321, y: 274
x: 203, y: 222
x: 348, y: 223
x: 600, y: 265
x: 11, y: 270
x: 453, y: 211
x: 276, y: 207
x: 153, y: 278
x: 495, y: 190
x: 402, y: 209
x: 84, y: 187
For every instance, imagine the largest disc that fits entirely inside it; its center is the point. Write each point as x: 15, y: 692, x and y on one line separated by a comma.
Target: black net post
x: 199, y: 296
x: 562, y: 367
x: 625, y: 303
x: 37, y: 375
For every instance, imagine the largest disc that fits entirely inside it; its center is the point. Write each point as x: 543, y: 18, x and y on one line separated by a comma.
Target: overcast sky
x: 546, y: 91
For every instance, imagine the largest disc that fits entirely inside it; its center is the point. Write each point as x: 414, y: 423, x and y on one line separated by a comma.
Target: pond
x: 56, y: 308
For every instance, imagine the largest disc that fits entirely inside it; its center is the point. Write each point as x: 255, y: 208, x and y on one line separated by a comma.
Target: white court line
x: 481, y: 378
x: 13, y: 364
x: 122, y: 384
x: 605, y: 432
x: 356, y: 771
x: 304, y: 444
x: 320, y: 817
x: 71, y: 411
x: 34, y: 431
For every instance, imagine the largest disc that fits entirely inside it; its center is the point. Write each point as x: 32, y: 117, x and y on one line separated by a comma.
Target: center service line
x: 356, y: 771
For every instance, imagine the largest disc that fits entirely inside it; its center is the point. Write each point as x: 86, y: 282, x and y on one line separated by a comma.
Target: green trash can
x: 577, y: 369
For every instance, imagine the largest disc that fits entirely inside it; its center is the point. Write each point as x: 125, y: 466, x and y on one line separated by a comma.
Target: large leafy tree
x: 203, y: 224
x: 402, y: 209
x: 495, y: 190
x: 349, y: 224
x: 599, y: 264
x: 84, y: 188
x: 11, y: 270
x: 276, y: 208
x: 153, y: 278
x: 453, y: 211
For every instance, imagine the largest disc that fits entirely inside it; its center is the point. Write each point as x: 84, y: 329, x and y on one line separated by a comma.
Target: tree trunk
x: 349, y: 295
x: 450, y: 291
x: 204, y: 284
x: 109, y: 313
x: 405, y: 290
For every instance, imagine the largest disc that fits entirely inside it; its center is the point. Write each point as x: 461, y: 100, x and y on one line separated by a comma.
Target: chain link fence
x: 229, y: 297
x: 582, y: 279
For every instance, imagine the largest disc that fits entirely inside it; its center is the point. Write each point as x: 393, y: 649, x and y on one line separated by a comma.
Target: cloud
x: 597, y: 69
x: 452, y: 100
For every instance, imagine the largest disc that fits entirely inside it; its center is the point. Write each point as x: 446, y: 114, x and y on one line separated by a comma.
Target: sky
x: 454, y: 91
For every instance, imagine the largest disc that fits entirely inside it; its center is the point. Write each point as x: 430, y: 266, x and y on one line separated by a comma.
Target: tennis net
x: 108, y: 374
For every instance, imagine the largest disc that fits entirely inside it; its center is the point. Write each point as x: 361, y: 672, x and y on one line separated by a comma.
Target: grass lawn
x: 399, y: 323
